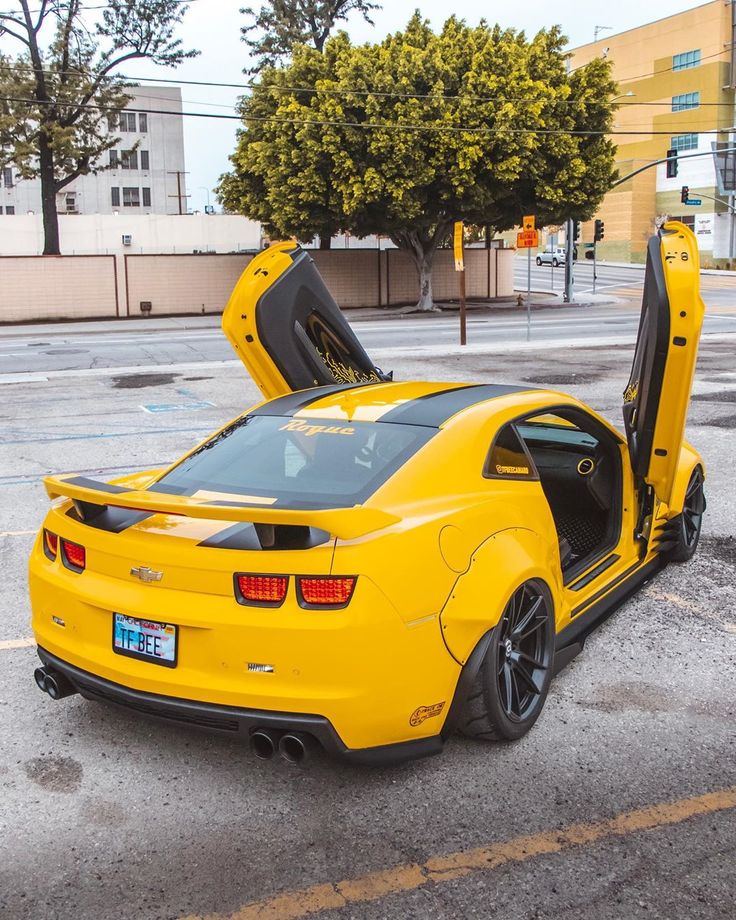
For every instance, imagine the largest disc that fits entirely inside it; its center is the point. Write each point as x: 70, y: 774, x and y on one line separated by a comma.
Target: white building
x: 145, y: 179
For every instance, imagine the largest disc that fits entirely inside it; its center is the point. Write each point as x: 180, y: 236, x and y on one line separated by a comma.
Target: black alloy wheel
x: 513, y: 680
x: 691, y: 520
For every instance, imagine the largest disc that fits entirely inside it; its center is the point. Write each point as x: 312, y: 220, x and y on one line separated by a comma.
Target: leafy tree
x: 473, y: 123
x: 59, y: 94
x: 278, y: 26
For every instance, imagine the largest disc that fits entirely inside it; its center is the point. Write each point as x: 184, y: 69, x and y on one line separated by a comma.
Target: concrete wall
x: 60, y: 287
x: 150, y: 233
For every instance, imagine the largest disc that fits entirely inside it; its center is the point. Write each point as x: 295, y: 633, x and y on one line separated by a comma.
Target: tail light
x: 331, y: 591
x: 73, y: 555
x: 261, y: 590
x: 50, y: 544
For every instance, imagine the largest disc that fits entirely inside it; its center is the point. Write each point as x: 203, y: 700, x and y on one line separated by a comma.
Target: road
x: 41, y: 350
x: 618, y: 805
x: 625, y: 281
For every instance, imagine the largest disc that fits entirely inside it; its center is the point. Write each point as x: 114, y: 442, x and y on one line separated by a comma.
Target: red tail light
x: 261, y: 590
x: 325, y: 591
x: 73, y: 555
x: 50, y: 543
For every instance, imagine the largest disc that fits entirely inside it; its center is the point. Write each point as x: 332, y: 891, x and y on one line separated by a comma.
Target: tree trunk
x: 48, y: 198
x: 424, y: 265
x: 325, y: 241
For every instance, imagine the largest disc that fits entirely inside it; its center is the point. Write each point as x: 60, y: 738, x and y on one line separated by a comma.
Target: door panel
x: 657, y: 396
x: 288, y: 331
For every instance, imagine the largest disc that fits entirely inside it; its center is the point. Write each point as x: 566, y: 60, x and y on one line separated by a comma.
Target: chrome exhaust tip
x: 263, y: 743
x: 294, y: 747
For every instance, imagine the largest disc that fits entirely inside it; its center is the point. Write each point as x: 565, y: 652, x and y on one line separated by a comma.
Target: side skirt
x: 571, y: 640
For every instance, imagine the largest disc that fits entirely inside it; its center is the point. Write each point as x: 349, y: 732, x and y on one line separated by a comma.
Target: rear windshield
x: 297, y: 463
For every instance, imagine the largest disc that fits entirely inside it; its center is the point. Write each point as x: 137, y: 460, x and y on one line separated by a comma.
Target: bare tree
x: 279, y: 25
x: 59, y: 95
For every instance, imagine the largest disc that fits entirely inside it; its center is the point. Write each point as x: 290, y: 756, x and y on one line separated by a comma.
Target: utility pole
x: 569, y: 255
x: 179, y: 194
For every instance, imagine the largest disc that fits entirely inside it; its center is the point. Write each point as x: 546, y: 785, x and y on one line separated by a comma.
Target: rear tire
x: 688, y: 523
x: 511, y: 686
x: 555, y: 263
x: 539, y: 261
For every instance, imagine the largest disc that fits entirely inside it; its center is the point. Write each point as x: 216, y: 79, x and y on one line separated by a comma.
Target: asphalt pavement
x: 619, y: 804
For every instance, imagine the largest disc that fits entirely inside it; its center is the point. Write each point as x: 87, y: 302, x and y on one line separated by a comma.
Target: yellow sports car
x: 369, y: 565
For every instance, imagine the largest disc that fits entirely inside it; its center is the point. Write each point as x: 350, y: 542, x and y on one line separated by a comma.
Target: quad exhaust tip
x: 55, y: 684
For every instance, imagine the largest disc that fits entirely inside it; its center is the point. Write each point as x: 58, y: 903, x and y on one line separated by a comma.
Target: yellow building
x: 676, y: 90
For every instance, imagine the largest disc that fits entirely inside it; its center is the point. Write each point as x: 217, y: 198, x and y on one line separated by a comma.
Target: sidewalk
x: 541, y: 300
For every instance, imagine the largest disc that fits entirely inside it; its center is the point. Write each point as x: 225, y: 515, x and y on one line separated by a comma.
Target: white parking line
x: 6, y: 644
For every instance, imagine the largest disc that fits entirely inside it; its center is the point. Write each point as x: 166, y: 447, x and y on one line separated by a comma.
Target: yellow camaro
x: 364, y: 564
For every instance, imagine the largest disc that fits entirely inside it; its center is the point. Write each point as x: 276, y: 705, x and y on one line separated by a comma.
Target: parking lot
x: 619, y: 804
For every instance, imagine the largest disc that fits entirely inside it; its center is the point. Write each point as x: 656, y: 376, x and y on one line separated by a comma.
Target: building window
x: 685, y: 101
x: 144, y: 160
x: 10, y: 209
x: 129, y: 159
x: 684, y: 142
x: 686, y: 60
x: 687, y: 219
x: 126, y: 122
x: 131, y: 197
x: 143, y: 122
x: 146, y: 197
x: 71, y: 203
x: 115, y: 197
x: 8, y: 177
x: 114, y: 159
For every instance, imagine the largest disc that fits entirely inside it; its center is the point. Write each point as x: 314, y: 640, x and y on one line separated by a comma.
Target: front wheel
x: 512, y: 683
x: 688, y: 523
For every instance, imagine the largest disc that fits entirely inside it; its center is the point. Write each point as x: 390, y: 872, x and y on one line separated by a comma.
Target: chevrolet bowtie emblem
x: 145, y: 574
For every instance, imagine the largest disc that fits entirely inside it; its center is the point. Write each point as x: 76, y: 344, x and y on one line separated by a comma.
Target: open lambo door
x: 657, y: 396
x: 288, y: 331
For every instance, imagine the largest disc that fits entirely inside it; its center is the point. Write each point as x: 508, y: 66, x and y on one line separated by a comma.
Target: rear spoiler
x: 344, y: 523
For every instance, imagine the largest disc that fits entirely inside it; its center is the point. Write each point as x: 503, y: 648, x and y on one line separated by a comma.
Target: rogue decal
x: 310, y: 430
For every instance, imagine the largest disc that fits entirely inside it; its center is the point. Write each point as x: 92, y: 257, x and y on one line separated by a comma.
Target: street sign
x: 528, y: 222
x: 458, y: 247
x: 694, y: 202
x: 527, y: 239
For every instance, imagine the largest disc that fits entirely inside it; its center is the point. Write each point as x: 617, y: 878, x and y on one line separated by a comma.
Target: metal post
x: 595, y: 253
x: 569, y: 250
x: 463, y: 329
x: 528, y: 293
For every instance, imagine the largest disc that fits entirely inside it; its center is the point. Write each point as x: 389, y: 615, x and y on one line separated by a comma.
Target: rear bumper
x: 235, y: 721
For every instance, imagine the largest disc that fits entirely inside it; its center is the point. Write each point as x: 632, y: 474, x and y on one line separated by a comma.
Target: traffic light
x: 671, y: 164
x: 599, y: 231
x: 684, y: 194
x: 575, y: 231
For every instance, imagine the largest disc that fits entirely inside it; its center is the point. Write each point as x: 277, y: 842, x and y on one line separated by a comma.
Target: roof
x: 406, y: 403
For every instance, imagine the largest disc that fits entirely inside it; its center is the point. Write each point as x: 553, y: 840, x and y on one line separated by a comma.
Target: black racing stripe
x: 113, y: 520
x: 97, y: 486
x: 294, y: 402
x: 433, y: 409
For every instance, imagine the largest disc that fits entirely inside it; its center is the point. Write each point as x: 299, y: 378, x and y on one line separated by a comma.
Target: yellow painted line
x: 28, y: 642
x: 18, y: 533
x: 409, y: 877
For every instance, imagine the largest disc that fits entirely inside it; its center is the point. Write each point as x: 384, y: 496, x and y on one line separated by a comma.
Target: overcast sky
x: 212, y: 26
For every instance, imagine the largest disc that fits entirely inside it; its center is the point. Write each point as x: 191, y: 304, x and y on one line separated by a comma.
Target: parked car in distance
x: 553, y: 257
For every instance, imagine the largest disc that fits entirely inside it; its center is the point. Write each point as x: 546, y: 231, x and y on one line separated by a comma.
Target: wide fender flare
x: 500, y: 565
x: 689, y: 459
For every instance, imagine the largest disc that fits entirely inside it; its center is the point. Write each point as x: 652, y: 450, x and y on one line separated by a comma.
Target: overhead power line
x: 366, y: 125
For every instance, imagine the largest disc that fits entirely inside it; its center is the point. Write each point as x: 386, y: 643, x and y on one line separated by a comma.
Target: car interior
x: 579, y: 468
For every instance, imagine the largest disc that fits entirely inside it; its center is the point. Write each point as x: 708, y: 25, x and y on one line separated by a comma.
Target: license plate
x: 144, y: 639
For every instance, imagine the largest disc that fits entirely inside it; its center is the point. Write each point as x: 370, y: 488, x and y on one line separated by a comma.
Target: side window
x: 507, y: 458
